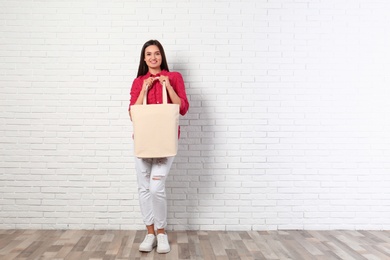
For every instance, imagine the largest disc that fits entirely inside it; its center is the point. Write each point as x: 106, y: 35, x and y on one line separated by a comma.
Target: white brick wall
x: 288, y: 126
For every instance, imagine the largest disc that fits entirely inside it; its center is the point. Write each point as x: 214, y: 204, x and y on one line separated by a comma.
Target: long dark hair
x: 143, y: 68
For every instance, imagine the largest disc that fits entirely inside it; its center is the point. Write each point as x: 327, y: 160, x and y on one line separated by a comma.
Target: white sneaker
x: 148, y: 244
x: 163, y: 244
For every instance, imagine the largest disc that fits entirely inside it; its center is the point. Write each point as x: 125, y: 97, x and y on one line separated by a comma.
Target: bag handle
x: 165, y: 97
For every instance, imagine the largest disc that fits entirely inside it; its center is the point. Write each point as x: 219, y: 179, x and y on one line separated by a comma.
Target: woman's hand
x: 145, y: 87
x: 166, y: 79
x: 148, y: 83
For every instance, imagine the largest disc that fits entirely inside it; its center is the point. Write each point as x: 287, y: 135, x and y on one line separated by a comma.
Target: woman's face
x: 153, y: 57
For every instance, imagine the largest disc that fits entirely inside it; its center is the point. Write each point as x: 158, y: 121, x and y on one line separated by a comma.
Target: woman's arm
x: 171, y: 92
x: 138, y: 92
x: 177, y: 94
x: 145, y: 86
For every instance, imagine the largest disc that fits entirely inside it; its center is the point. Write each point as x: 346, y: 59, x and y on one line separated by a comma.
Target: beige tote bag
x: 155, y: 128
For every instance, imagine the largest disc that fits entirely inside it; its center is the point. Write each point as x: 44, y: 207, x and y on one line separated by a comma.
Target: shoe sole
x: 163, y: 251
x: 147, y: 250
x: 144, y: 250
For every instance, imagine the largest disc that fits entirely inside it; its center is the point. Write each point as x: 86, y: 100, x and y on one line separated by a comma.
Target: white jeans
x: 151, y: 175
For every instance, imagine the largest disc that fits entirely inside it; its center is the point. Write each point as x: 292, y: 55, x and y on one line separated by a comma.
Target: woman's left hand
x: 171, y: 91
x: 166, y: 79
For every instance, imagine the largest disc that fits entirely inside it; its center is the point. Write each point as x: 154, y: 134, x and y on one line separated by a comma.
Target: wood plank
x: 260, y: 239
x: 182, y: 237
x: 304, y: 240
x: 206, y: 249
x: 184, y: 251
x: 126, y: 242
x: 241, y: 249
x: 232, y: 254
x: 217, y: 245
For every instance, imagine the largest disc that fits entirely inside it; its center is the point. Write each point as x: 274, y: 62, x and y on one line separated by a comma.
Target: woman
x: 152, y: 173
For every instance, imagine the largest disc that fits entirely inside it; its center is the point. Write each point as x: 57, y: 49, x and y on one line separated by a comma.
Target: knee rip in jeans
x: 157, y: 177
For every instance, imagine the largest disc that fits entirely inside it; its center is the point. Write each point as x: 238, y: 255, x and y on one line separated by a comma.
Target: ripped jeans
x: 151, y: 175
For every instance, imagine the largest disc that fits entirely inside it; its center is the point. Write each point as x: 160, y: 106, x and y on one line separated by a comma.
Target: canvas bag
x: 155, y: 128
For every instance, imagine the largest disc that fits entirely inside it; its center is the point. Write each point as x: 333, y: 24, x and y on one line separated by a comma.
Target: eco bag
x: 155, y: 128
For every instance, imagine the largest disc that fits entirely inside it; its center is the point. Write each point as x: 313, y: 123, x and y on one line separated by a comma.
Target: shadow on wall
x: 187, y: 189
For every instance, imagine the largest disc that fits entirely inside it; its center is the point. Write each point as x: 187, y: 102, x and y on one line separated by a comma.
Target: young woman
x: 152, y: 173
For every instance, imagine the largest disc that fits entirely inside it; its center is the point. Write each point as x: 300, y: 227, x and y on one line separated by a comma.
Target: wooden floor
x: 300, y: 245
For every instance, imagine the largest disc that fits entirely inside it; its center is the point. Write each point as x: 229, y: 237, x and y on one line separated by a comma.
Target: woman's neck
x: 154, y: 71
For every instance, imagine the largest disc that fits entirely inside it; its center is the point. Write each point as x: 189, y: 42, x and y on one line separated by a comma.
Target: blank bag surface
x: 155, y: 128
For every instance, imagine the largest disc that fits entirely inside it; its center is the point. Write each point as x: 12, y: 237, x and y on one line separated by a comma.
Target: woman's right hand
x: 145, y: 86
